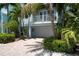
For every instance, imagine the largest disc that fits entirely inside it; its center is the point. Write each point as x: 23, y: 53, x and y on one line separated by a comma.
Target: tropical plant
x: 69, y: 34
x: 12, y: 25
x: 72, y: 17
x: 6, y: 5
x: 15, y: 15
x: 59, y: 45
x: 47, y: 43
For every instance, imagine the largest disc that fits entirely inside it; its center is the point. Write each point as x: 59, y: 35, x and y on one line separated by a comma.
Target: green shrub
x: 59, y: 45
x: 71, y: 48
x: 77, y: 36
x: 12, y: 25
x: 53, y: 44
x: 69, y: 34
x: 5, y: 38
x: 47, y: 43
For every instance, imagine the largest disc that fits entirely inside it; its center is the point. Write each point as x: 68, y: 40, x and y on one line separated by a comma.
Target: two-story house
x: 40, y: 25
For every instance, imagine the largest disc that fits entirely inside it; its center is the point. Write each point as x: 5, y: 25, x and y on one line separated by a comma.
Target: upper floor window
x: 45, y: 14
x: 41, y: 15
x: 52, y: 13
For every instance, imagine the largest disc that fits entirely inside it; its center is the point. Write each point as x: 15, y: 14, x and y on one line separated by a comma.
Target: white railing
x: 39, y: 19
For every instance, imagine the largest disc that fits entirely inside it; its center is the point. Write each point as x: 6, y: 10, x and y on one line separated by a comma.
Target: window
x: 52, y: 13
x: 45, y: 16
x: 41, y: 15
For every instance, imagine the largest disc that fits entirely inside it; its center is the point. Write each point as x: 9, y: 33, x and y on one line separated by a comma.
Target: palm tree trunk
x: 19, y: 29
x: 7, y: 6
x: 52, y: 19
x: 0, y: 20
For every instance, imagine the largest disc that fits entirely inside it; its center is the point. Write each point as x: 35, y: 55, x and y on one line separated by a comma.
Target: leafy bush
x: 25, y: 30
x: 47, y: 43
x: 71, y: 48
x: 59, y: 30
x: 59, y: 45
x: 53, y: 44
x: 69, y: 34
x: 12, y: 25
x: 77, y: 36
x: 5, y: 38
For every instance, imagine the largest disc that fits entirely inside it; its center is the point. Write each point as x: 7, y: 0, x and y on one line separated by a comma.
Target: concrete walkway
x: 29, y: 47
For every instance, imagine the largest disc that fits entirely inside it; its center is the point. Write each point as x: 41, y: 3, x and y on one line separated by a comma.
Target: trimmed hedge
x: 5, y: 38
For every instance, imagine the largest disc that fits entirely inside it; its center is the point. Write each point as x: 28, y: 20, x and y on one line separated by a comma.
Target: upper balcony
x: 41, y: 18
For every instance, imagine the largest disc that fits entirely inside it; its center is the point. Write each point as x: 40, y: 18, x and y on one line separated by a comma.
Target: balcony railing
x: 38, y: 18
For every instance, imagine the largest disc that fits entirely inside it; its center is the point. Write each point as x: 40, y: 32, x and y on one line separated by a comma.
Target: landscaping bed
x: 6, y: 38
x: 58, y: 45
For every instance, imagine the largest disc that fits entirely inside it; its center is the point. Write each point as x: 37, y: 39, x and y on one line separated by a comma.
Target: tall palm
x: 33, y: 8
x: 60, y: 9
x: 6, y: 5
x: 52, y: 18
x: 15, y: 14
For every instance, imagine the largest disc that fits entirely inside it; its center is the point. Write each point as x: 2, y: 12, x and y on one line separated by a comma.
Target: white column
x: 29, y: 31
x: 43, y: 16
x: 29, y: 24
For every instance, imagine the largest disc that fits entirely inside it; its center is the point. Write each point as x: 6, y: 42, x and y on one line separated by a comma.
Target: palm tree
x: 60, y: 9
x: 15, y: 14
x: 33, y: 8
x: 6, y: 5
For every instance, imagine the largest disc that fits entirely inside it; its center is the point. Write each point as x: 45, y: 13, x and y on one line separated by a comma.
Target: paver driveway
x: 22, y: 48
x: 29, y: 47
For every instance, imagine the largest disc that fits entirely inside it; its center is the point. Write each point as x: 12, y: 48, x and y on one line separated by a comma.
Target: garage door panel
x: 43, y: 31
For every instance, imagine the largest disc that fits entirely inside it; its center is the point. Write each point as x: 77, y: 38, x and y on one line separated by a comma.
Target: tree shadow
x: 38, y: 47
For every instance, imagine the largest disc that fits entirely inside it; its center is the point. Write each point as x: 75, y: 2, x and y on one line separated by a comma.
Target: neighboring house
x: 40, y: 25
x: 4, y: 18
